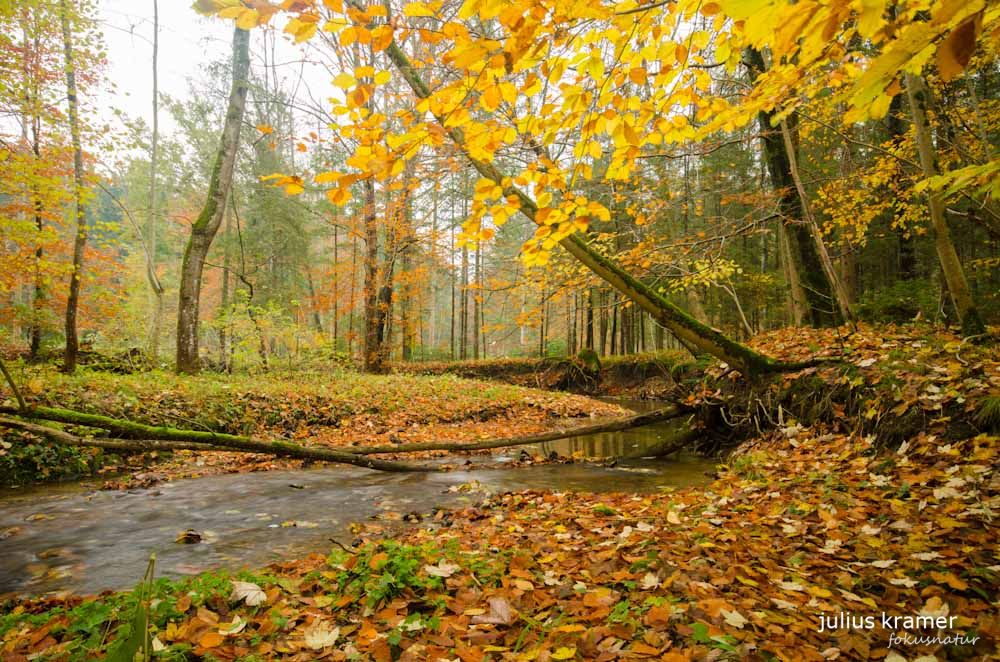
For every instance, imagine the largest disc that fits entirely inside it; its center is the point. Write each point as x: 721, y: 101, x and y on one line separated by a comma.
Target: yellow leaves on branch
x: 291, y: 183
x: 812, y: 34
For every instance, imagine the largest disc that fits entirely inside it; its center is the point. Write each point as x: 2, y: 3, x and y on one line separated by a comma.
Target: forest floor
x: 326, y: 409
x: 818, y: 514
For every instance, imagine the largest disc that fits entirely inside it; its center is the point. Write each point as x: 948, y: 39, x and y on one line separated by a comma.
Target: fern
x: 988, y: 413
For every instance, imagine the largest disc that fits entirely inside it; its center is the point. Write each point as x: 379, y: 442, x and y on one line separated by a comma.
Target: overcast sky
x: 187, y: 41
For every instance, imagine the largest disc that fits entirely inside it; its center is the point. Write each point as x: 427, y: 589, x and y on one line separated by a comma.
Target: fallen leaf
x: 321, y: 635
x: 442, y: 569
x: 564, y: 653
x: 249, y: 592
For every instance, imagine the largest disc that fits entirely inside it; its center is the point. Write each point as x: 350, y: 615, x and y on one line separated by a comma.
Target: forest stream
x: 72, y: 537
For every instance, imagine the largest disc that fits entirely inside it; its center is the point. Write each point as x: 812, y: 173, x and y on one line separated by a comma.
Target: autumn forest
x: 499, y: 330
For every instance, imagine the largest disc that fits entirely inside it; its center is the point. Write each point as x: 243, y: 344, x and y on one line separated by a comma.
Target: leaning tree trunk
x: 207, y: 225
x: 836, y: 284
x: 802, y: 254
x: 683, y: 326
x: 80, y: 243
x: 958, y: 286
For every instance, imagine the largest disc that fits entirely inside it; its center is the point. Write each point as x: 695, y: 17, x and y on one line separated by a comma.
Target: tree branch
x: 13, y: 386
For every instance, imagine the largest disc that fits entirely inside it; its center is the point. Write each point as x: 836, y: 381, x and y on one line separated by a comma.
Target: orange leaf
x: 211, y: 640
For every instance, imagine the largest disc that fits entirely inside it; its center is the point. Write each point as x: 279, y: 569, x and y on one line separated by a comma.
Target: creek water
x: 73, y: 537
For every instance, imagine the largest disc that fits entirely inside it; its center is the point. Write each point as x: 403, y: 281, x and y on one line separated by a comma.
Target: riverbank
x: 333, y: 409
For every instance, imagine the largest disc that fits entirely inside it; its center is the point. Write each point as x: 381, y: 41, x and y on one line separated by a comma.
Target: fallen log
x: 141, y: 437
x: 219, y: 441
x: 137, y: 445
x: 615, y: 425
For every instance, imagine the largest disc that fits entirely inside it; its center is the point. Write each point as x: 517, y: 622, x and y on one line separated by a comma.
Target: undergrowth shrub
x: 900, y: 302
x: 23, y: 462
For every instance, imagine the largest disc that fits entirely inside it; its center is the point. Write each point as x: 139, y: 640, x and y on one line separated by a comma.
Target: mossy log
x: 218, y: 441
x: 140, y: 437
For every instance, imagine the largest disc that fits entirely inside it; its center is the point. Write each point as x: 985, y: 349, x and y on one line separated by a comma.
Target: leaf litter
x: 794, y: 530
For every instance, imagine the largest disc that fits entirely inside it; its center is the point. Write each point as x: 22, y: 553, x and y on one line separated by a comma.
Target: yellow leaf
x: 382, y: 77
x: 339, y: 196
x: 326, y: 177
x: 345, y: 81
x: 469, y: 9
x: 248, y: 19
x: 637, y: 75
x: 490, y: 99
x: 265, y: 129
x: 564, y: 653
x: 576, y: 627
x: 870, y: 18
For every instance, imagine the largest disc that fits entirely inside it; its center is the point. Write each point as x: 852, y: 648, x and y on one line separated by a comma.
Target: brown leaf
x: 956, y: 50
x: 500, y: 613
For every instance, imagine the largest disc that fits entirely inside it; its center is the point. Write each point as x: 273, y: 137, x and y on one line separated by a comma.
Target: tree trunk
x: 317, y: 322
x: 155, y: 287
x: 797, y: 295
x: 148, y: 434
x: 38, y: 291
x: 140, y: 437
x: 463, y: 308
x: 207, y: 224
x: 224, y: 303
x: 958, y: 287
x: 907, y: 251
x: 802, y: 253
x: 80, y: 242
x: 477, y: 297
x: 839, y: 292
x: 371, y: 344
x: 336, y: 294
